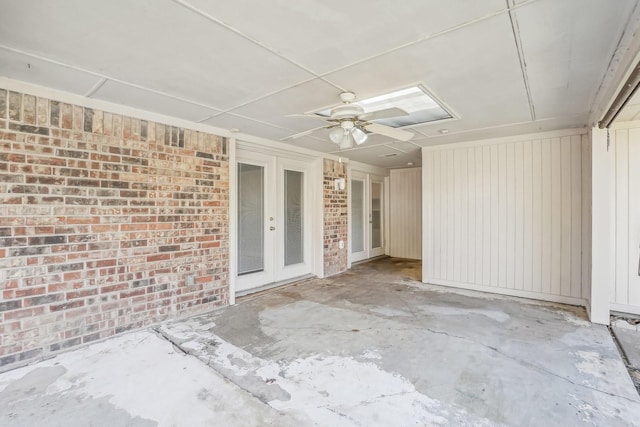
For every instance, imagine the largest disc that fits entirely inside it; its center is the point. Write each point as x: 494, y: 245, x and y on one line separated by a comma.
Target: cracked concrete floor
x: 371, y: 347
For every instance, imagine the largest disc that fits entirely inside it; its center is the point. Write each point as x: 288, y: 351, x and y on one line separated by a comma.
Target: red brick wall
x: 335, y: 218
x: 102, y: 221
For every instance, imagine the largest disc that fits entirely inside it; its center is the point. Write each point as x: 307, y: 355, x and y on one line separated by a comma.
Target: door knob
x: 272, y: 228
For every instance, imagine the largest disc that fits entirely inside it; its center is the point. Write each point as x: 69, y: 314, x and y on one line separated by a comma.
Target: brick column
x: 335, y: 218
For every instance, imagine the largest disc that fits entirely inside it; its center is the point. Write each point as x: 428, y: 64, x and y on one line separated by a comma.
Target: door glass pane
x: 250, y: 218
x: 294, y: 213
x: 357, y: 216
x: 376, y: 214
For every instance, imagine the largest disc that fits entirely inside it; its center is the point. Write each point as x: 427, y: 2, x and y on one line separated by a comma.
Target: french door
x: 273, y: 236
x: 366, y: 217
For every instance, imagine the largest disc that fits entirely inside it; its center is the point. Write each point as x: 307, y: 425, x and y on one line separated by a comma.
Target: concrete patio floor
x: 370, y: 347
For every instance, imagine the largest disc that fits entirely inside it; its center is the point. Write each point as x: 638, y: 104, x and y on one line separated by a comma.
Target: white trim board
x: 233, y: 206
x: 278, y: 150
x: 365, y: 168
x: 510, y: 292
x: 625, y: 308
x: 508, y: 139
x: 625, y: 125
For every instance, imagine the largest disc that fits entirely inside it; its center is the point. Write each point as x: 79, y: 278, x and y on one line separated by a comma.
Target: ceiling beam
x: 628, y: 90
x: 523, y: 62
x: 621, y: 64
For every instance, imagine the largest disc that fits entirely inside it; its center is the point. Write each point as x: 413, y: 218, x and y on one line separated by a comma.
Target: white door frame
x: 284, y: 272
x: 268, y: 274
x: 377, y: 251
x: 368, y: 179
x: 363, y: 254
x: 313, y: 209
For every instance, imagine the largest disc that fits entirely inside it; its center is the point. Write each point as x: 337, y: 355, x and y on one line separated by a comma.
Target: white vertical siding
x: 625, y: 291
x: 510, y: 216
x: 405, y: 222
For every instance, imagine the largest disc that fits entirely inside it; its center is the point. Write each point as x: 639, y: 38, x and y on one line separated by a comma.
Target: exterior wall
x: 405, y: 220
x: 107, y: 223
x: 335, y: 219
x: 625, y: 147
x: 510, y: 216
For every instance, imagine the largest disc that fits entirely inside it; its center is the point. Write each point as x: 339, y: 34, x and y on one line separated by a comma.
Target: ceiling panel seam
x: 247, y: 37
x: 258, y: 121
x: 261, y: 97
x: 430, y: 36
x: 323, y: 76
x: 396, y: 48
x: 106, y: 78
x: 395, y: 148
x: 417, y: 145
x: 95, y: 87
x: 205, y: 118
x: 420, y: 132
x: 523, y: 63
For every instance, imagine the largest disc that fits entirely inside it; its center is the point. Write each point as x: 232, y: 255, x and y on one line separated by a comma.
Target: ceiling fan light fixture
x: 359, y: 136
x: 346, y: 142
x: 336, y: 135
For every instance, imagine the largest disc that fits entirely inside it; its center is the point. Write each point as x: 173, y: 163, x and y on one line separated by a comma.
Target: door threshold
x: 270, y: 286
x: 366, y: 260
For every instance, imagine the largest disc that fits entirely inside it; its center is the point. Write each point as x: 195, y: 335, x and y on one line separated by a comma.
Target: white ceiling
x: 504, y: 67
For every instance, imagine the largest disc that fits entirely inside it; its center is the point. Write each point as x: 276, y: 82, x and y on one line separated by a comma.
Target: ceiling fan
x: 350, y: 123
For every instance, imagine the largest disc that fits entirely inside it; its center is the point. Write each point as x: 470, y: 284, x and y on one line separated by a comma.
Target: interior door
x: 273, y: 235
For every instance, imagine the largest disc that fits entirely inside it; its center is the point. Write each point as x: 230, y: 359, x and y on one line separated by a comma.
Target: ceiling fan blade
x: 312, y: 116
x: 383, y: 114
x: 399, y: 134
x: 305, y: 133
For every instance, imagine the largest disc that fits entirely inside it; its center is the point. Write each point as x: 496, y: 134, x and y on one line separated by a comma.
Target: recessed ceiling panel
x: 32, y: 70
x: 158, y: 44
x: 150, y: 101
x: 567, y: 52
x: 327, y: 35
x: 475, y: 71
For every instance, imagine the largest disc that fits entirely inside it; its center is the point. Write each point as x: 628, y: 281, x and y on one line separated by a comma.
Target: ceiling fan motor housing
x: 346, y: 111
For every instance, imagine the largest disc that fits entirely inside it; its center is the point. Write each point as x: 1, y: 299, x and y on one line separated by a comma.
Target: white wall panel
x: 508, y: 216
x: 625, y: 291
x: 405, y: 221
